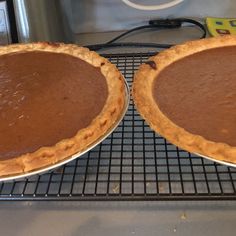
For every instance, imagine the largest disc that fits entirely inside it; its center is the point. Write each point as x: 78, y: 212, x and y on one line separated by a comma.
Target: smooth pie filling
x: 198, y: 93
x: 46, y: 97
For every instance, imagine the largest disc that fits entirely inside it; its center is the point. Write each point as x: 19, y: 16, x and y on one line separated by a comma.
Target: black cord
x: 159, y: 23
x: 196, y: 23
x: 132, y: 30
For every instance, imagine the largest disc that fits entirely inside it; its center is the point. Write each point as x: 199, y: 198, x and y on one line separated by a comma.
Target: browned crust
x: 115, y: 102
x: 148, y: 108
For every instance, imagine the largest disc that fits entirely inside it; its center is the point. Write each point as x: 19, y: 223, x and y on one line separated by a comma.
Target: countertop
x: 118, y: 218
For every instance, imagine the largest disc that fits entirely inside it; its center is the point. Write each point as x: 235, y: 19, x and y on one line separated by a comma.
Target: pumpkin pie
x: 55, y: 100
x: 188, y: 95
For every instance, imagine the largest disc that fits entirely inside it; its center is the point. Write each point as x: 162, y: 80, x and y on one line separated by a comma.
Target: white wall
x: 111, y: 15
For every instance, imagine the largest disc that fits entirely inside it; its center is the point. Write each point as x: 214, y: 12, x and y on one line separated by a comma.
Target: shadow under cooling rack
x: 133, y: 163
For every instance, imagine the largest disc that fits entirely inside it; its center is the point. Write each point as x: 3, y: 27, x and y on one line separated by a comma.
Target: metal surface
x: 41, y: 20
x: 133, y: 163
x: 77, y: 155
x: 5, y: 33
x: 230, y: 164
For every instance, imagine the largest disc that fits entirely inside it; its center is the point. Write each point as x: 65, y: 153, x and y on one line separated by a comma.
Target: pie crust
x: 115, y: 102
x: 150, y: 111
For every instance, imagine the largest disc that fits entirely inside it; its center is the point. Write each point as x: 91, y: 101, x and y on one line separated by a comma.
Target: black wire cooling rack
x: 133, y: 163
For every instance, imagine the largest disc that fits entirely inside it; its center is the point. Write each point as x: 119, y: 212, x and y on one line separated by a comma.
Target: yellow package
x: 221, y: 26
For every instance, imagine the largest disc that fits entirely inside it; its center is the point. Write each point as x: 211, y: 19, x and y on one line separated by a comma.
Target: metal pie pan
x: 71, y: 158
x: 229, y: 164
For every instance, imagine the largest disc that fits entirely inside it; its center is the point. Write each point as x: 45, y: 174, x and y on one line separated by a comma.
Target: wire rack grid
x: 133, y: 163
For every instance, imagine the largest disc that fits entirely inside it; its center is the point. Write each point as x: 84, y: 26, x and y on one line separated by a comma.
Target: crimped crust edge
x: 149, y: 110
x: 46, y: 156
